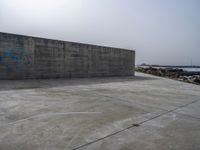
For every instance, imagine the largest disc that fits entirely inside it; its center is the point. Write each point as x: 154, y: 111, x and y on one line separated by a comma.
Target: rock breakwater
x: 173, y: 73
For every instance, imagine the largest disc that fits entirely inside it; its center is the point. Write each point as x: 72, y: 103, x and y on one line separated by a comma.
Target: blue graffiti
x: 8, y: 53
x: 15, y: 59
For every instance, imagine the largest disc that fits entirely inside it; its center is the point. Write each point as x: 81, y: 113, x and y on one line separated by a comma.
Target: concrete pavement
x: 126, y: 113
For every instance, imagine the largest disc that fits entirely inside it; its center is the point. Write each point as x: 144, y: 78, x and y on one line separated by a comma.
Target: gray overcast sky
x: 161, y: 31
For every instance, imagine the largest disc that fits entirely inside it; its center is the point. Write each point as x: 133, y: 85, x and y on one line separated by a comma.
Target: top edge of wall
x: 27, y: 36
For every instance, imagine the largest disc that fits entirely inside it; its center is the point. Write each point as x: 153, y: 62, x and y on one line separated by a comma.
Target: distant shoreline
x: 165, y: 66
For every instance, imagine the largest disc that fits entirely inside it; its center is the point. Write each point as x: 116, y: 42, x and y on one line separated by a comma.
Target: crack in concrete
x: 133, y: 125
x: 52, y: 114
x: 153, y: 106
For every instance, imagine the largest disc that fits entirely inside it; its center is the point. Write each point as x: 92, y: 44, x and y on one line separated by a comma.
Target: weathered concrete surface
x: 99, y: 113
x: 25, y: 57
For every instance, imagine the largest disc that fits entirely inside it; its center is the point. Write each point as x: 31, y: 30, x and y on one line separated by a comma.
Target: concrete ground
x: 126, y: 113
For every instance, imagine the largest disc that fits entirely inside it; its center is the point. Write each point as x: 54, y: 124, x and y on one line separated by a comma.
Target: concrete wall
x: 24, y: 57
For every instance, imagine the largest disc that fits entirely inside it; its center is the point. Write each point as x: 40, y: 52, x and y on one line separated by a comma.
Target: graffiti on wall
x: 14, y: 59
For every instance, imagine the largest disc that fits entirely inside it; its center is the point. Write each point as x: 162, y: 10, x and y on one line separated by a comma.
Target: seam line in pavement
x: 178, y: 107
x: 121, y: 100
x: 132, y: 126
x: 186, y: 115
x: 162, y: 114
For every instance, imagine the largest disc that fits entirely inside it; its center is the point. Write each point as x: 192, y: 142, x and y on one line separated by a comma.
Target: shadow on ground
x: 49, y: 83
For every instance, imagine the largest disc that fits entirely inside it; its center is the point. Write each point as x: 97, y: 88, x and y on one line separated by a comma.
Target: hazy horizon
x: 165, y: 32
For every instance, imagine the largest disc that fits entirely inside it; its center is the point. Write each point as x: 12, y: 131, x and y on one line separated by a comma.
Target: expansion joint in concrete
x: 135, y: 125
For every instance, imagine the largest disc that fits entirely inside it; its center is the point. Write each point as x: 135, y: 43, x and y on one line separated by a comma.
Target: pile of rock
x: 163, y: 72
x: 190, y: 79
x: 173, y: 73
